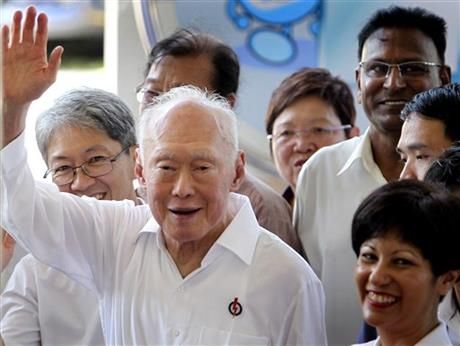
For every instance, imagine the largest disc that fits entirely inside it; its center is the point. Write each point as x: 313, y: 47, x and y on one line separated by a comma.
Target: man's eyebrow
x: 416, y: 146
x: 203, y: 155
x: 90, y: 150
x: 412, y: 146
x: 163, y: 155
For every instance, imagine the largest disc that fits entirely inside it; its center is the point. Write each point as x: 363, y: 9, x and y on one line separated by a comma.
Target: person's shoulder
x: 289, y: 264
x: 29, y: 264
x: 264, y: 199
x: 254, y: 186
x: 336, y: 154
x: 327, y: 161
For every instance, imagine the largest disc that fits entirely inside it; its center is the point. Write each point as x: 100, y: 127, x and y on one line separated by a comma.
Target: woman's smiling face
x: 396, y: 285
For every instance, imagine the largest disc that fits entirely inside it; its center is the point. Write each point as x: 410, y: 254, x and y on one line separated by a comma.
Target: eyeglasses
x: 145, y: 96
x: 407, y: 70
x: 315, y: 132
x: 95, y: 167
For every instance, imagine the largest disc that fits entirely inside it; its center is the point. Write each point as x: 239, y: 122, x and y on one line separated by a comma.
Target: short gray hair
x: 222, y: 112
x: 91, y: 109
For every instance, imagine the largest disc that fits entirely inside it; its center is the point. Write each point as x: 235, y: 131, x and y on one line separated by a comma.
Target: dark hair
x: 421, y: 214
x: 418, y: 18
x: 191, y: 42
x: 87, y: 108
x: 312, y: 82
x: 446, y: 170
x: 441, y: 103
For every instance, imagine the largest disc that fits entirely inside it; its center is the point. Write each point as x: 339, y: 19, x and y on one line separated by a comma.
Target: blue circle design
x: 272, y: 46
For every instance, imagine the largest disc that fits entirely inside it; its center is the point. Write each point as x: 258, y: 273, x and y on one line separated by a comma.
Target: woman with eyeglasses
x: 310, y: 109
x: 405, y: 235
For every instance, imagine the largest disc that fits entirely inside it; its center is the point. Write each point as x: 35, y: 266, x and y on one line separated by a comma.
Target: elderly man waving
x: 193, y: 266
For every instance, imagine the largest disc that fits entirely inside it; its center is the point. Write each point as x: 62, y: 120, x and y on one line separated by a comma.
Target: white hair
x: 222, y: 112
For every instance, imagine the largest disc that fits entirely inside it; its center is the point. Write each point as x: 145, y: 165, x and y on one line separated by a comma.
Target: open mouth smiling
x: 184, y: 211
x: 381, y: 299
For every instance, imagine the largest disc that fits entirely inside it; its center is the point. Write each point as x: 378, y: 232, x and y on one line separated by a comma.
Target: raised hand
x: 27, y: 72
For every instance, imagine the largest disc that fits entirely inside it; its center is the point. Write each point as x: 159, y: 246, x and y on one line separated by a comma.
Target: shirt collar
x: 240, y: 236
x: 437, y: 336
x: 363, y: 153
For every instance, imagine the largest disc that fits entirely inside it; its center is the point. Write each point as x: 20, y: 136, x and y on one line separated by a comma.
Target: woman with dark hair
x: 406, y: 237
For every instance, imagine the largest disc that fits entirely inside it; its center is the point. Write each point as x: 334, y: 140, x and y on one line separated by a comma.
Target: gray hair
x: 223, y: 114
x: 87, y: 108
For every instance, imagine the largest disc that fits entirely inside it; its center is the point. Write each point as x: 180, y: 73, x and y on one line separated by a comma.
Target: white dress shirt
x: 451, y: 317
x: 251, y: 288
x: 18, y: 253
x: 42, y: 306
x: 437, y: 337
x: 331, y: 185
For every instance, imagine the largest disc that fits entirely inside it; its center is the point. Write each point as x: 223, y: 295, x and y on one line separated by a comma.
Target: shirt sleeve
x: 61, y: 230
x: 19, y: 309
x: 305, y: 320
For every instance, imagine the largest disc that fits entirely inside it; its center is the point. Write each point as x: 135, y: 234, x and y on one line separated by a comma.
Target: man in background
x: 431, y: 125
x: 87, y: 139
x: 401, y: 53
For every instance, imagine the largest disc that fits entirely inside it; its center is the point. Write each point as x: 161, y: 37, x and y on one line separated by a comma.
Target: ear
x: 358, y: 83
x: 445, y: 75
x: 231, y: 98
x: 139, y: 169
x: 354, y: 132
x: 239, y: 171
x: 446, y: 281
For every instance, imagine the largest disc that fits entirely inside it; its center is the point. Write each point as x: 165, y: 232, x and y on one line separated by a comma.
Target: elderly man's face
x: 383, y: 98
x: 422, y: 141
x: 188, y: 173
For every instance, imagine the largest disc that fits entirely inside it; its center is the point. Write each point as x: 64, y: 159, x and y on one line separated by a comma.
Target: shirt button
x: 176, y: 333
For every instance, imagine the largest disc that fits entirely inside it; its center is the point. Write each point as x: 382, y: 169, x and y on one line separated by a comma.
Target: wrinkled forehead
x: 185, y: 116
x: 186, y: 122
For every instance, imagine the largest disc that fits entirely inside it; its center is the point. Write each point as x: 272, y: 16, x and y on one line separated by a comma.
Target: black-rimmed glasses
x: 95, y: 167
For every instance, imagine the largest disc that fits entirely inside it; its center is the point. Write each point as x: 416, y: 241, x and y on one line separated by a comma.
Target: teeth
x: 380, y: 298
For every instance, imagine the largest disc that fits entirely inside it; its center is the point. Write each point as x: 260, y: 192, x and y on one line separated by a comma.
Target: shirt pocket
x: 212, y: 337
